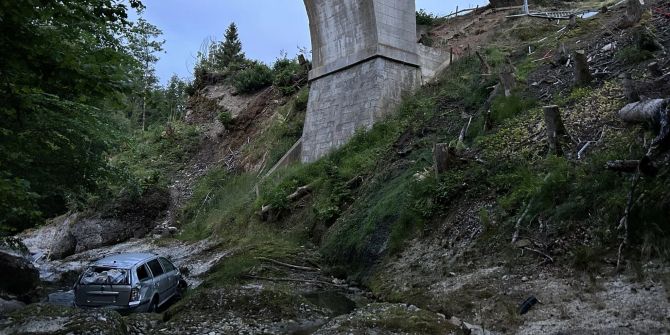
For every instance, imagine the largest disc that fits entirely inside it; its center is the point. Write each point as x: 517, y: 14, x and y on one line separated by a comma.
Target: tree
x: 62, y: 74
x: 144, y: 44
x: 228, y: 53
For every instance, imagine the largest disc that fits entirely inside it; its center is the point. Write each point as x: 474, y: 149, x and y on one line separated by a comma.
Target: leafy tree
x: 144, y: 44
x: 63, y: 72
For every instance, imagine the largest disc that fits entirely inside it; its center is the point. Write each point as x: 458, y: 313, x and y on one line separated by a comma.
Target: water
x: 337, y: 302
x: 589, y: 14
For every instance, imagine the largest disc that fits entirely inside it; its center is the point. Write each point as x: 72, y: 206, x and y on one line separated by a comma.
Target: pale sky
x: 266, y: 27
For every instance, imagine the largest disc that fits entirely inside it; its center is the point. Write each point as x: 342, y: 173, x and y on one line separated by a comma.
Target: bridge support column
x: 364, y: 61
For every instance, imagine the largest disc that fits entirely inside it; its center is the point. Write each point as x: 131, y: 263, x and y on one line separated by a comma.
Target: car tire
x: 153, y: 305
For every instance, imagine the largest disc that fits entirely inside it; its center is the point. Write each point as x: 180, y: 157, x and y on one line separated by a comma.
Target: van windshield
x: 104, y: 275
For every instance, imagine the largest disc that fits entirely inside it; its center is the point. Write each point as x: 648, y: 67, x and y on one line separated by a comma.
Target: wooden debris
x: 299, y: 193
x: 290, y: 266
x: 306, y: 281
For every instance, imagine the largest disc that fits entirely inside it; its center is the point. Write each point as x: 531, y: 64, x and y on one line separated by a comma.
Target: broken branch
x: 290, y: 266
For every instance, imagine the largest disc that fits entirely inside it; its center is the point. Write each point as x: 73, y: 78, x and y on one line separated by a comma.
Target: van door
x: 161, y: 282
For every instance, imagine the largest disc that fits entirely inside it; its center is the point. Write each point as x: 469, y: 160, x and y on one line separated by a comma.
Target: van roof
x: 124, y: 260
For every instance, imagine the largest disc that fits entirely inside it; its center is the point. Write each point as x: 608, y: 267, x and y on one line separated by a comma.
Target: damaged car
x: 129, y: 282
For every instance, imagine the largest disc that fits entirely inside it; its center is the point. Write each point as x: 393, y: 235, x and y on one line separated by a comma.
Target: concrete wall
x: 364, y: 59
x: 354, y: 98
x: 432, y: 61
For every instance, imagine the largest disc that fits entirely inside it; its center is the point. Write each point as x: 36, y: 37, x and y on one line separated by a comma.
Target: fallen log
x: 290, y: 266
x: 655, y: 113
x: 644, y: 165
x: 299, y: 193
x: 306, y: 281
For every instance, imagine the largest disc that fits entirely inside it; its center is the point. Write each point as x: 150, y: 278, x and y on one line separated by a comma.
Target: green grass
x: 220, y: 200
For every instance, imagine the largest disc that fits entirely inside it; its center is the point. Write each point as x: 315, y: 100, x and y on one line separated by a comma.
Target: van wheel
x: 153, y: 305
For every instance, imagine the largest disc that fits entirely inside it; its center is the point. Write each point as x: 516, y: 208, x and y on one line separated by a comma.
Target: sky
x: 266, y: 27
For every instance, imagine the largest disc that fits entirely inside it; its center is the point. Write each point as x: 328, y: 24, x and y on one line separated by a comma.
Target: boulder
x: 8, y: 306
x: 18, y: 276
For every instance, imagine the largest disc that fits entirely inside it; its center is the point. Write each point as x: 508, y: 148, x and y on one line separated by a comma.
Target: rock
x: 608, y: 47
x: 18, y: 276
x: 524, y: 279
x: 8, y: 306
x: 47, y: 319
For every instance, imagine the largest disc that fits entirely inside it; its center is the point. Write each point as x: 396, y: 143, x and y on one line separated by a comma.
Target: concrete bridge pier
x: 365, y: 58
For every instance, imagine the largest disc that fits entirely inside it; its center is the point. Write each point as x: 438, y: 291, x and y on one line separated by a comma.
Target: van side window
x: 166, y: 265
x: 142, y: 273
x: 155, y: 267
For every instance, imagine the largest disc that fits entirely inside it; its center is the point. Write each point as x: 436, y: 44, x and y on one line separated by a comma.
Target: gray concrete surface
x: 364, y: 59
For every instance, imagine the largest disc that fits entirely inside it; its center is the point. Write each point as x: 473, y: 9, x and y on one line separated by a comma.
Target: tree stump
x: 507, y: 79
x: 555, y: 128
x: 629, y: 89
x: 485, y: 67
x: 633, y: 13
x: 561, y: 56
x: 583, y: 75
x: 655, y: 69
x: 443, y: 157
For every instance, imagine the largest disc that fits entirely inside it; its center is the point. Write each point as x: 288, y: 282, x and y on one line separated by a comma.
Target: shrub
x: 225, y: 118
x: 504, y: 107
x: 288, y: 74
x: 253, y: 78
x: 426, y: 19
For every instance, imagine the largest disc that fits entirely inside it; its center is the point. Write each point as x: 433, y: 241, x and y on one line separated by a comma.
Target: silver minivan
x: 129, y: 282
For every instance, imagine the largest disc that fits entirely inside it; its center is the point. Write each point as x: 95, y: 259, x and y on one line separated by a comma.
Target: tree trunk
x: 582, y: 73
x: 144, y: 112
x: 654, y: 113
x: 555, y: 128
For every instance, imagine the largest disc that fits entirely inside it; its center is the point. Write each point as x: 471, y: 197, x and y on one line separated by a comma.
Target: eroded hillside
x: 372, y: 239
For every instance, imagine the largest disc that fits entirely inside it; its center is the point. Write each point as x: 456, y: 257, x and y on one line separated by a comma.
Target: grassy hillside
x: 367, y: 205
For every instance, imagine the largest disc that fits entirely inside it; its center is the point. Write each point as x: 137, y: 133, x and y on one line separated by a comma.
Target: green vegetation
x: 253, y: 77
x: 225, y: 61
x: 427, y: 19
x: 63, y: 72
